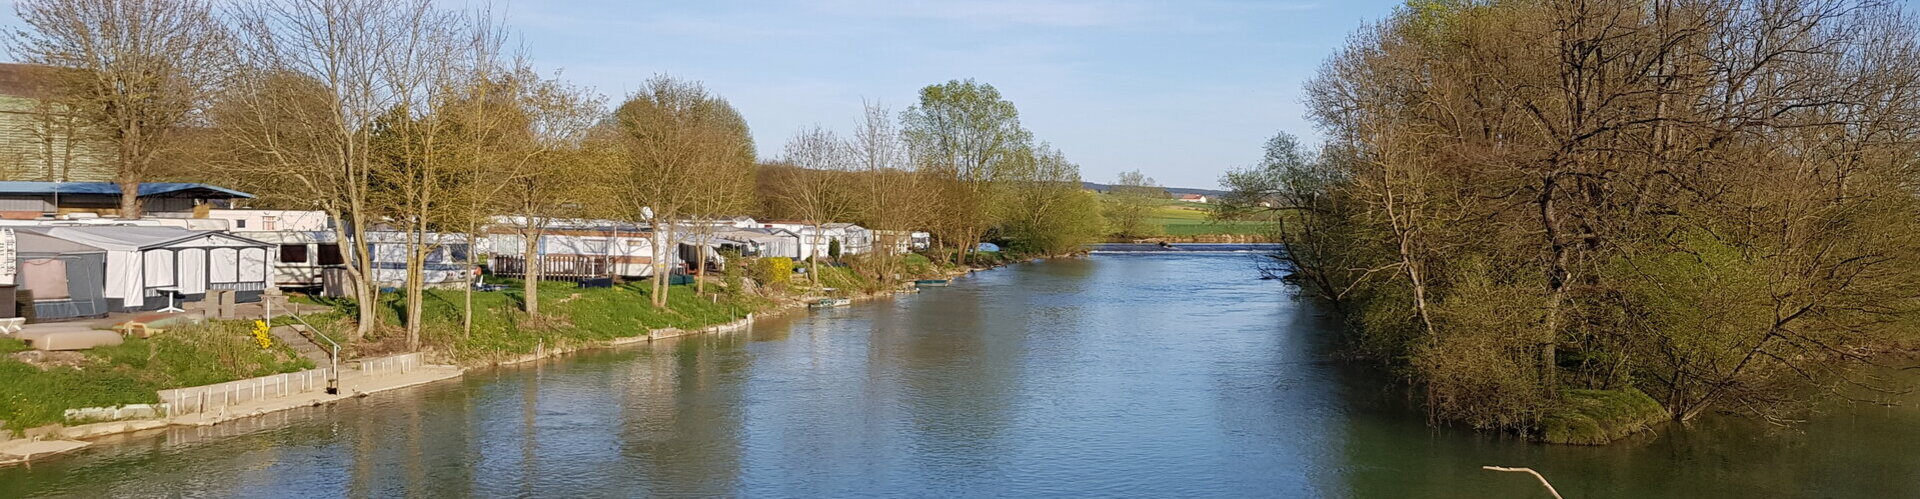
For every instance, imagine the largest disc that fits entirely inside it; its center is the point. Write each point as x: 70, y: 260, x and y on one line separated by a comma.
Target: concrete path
x: 349, y: 387
x: 20, y: 451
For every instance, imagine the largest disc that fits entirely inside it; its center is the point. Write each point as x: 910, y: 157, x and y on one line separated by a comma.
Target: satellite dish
x: 646, y: 212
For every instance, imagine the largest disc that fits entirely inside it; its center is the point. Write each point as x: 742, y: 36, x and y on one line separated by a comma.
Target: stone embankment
x: 214, y: 404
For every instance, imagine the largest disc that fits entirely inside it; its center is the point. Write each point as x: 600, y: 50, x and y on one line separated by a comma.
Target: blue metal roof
x: 150, y: 189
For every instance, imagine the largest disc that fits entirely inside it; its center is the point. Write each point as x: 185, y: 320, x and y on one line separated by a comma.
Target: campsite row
x: 67, y: 261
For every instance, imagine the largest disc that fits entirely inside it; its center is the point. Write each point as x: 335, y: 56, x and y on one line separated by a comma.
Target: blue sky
x: 1183, y: 90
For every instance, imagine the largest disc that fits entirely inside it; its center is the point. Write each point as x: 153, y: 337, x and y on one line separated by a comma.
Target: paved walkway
x: 24, y: 450
x: 350, y: 386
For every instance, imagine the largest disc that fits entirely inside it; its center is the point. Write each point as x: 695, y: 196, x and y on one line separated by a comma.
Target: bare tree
x: 318, y: 79
x: 138, y: 71
x: 892, y: 201
x: 818, y: 188
x: 551, y: 173
x: 665, y: 137
x: 723, y: 189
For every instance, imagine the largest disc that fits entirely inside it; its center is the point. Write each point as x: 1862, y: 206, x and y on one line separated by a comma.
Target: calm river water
x: 1149, y: 375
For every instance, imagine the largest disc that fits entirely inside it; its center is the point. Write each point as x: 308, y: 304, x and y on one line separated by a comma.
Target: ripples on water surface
x: 1153, y: 375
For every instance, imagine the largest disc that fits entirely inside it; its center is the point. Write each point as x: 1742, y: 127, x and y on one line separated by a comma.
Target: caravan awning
x: 145, y: 261
x: 134, y: 238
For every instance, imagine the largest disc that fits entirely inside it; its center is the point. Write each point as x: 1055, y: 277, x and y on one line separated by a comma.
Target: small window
x: 293, y: 253
x: 268, y: 223
x: 330, y: 255
x: 456, y: 253
x: 240, y: 224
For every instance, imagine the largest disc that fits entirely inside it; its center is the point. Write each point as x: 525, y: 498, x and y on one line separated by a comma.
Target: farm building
x: 32, y: 200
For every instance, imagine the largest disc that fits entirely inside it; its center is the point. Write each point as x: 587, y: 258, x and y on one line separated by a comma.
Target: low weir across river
x: 1145, y: 374
x: 1106, y: 248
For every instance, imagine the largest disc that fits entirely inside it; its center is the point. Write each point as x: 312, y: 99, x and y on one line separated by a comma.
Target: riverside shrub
x: 1505, y: 259
x: 772, y: 271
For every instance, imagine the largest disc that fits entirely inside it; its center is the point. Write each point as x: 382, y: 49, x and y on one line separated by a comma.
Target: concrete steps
x: 292, y: 336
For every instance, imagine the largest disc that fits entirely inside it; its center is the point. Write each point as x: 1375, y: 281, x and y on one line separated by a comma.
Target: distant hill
x: 1175, y: 190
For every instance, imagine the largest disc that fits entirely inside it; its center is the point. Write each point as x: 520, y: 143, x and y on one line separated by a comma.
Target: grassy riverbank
x: 573, y: 317
x: 40, y: 386
x: 1598, y: 417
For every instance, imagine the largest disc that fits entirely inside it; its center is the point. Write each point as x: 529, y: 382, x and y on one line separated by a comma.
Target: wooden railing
x: 569, y: 268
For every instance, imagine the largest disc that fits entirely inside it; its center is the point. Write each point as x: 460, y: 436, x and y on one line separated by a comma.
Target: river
x: 1144, y: 375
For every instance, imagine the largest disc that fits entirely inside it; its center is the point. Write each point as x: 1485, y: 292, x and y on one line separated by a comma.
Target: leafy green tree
x: 1524, y: 200
x: 965, y: 137
x: 1133, y: 198
x: 1045, y: 210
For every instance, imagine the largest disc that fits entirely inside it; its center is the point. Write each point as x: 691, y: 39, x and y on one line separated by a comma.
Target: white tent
x: 149, y: 262
x: 765, y: 242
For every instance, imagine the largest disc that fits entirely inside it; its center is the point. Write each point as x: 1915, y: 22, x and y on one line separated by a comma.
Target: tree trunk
x: 466, y: 310
x: 1556, y: 285
x: 129, y: 196
x: 416, y: 286
x: 700, y: 259
x: 1405, y: 230
x: 815, y: 260
x: 129, y: 175
x: 530, y: 271
x: 662, y: 267
x: 354, y: 248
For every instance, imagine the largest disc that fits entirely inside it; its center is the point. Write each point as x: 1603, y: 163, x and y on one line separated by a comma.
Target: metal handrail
x: 333, y: 372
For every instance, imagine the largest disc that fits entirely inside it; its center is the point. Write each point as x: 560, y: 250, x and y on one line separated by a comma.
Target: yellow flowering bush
x: 261, y: 334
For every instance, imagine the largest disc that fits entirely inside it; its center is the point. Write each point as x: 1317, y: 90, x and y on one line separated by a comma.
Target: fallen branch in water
x: 1530, y: 471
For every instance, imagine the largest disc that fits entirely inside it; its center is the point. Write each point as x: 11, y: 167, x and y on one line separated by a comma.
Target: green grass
x: 131, y: 372
x: 1179, y: 218
x: 569, y: 316
x: 1596, y: 417
x: 572, y: 316
x: 11, y: 345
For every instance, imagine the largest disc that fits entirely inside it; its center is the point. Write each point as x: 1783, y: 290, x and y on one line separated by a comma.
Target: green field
x: 1179, y: 218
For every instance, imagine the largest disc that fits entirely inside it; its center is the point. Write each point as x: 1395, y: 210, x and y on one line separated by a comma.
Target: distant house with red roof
x: 1194, y: 198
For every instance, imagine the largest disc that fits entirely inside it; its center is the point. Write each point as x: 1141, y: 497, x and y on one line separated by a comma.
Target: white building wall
x: 272, y: 220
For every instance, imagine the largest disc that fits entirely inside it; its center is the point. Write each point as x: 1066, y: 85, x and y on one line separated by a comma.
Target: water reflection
x: 1121, y: 375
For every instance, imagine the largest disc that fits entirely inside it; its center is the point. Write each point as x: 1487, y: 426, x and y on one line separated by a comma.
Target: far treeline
x: 1544, y: 210
x: 410, y: 116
